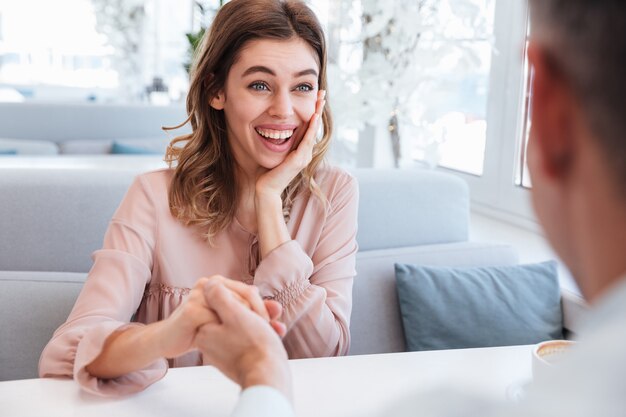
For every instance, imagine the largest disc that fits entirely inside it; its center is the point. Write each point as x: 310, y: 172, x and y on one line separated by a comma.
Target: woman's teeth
x: 275, y: 134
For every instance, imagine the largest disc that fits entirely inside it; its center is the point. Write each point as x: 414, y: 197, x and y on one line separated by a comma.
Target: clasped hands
x: 235, y: 330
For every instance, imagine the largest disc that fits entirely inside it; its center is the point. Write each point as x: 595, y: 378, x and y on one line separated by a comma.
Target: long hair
x: 203, y: 191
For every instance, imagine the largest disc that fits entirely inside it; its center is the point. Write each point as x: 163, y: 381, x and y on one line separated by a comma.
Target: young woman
x: 248, y: 198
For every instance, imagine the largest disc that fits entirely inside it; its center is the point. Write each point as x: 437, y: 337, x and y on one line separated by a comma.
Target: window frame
x: 495, y: 193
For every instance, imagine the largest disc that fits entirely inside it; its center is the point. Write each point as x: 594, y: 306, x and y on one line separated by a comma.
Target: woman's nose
x: 281, y: 106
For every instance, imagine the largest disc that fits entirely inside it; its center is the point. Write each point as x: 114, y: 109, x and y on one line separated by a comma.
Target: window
x: 466, y: 115
x: 72, y: 56
x: 498, y: 192
x: 522, y: 177
x: 457, y: 100
x: 65, y: 53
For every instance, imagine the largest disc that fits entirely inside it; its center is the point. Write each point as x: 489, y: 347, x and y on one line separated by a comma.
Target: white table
x: 353, y: 385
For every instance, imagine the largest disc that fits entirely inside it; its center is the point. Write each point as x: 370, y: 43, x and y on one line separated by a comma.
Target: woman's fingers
x: 305, y: 149
x: 244, y: 293
x: 279, y: 327
x: 274, y: 309
x: 250, y: 295
x: 316, y: 118
x: 314, y: 122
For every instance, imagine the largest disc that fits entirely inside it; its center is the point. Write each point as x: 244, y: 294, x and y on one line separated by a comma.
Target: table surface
x: 352, y: 385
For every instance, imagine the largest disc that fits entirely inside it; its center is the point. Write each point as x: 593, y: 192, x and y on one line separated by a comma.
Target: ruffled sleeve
x: 316, y: 290
x: 109, y: 298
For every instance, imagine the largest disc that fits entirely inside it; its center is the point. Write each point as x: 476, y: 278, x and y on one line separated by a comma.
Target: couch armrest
x: 574, y: 308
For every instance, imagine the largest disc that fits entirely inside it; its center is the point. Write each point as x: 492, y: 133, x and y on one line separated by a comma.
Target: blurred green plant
x: 206, y: 13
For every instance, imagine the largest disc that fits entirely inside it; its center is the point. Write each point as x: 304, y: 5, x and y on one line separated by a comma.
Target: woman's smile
x: 277, y: 138
x: 268, y: 100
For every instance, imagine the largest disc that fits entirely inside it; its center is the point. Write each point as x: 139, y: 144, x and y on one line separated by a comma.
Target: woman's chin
x: 271, y: 163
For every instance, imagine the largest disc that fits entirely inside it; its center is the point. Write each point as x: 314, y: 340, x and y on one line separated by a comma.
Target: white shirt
x: 589, y: 381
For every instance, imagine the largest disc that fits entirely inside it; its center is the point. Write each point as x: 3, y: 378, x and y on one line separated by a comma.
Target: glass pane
x: 415, y: 73
x: 453, y: 112
x: 65, y: 52
x: 99, y: 51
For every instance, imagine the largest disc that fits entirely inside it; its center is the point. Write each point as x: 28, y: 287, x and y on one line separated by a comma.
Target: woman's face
x: 268, y: 99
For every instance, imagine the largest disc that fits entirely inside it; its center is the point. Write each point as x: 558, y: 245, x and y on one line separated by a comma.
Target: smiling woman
x: 247, y: 201
x: 268, y: 100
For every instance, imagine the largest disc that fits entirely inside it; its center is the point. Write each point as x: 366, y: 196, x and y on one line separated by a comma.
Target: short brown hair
x: 203, y: 191
x: 586, y: 39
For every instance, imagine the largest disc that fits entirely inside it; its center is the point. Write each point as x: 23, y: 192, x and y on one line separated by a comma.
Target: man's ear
x: 218, y: 101
x: 553, y: 114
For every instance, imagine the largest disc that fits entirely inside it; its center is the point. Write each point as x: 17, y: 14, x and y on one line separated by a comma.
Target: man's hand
x: 241, y: 344
x: 179, y: 330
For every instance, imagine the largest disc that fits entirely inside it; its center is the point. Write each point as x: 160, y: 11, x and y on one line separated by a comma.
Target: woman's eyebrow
x: 310, y: 71
x: 266, y: 70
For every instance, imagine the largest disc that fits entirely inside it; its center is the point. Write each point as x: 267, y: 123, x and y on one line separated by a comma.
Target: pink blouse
x: 149, y: 261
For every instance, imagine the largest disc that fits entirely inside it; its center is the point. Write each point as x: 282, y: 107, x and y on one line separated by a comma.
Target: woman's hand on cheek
x: 277, y: 179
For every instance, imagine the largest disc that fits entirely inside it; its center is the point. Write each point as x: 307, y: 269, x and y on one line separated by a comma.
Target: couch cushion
x: 53, y: 219
x: 120, y: 149
x: 403, y: 208
x: 33, y: 305
x: 28, y: 147
x: 375, y: 324
x: 156, y: 146
x: 451, y: 308
x: 59, y: 122
x: 86, y: 146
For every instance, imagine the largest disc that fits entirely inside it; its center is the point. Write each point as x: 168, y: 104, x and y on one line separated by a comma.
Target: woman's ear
x: 217, y: 102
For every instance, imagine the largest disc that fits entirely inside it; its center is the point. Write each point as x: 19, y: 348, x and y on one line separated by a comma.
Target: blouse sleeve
x: 316, y: 291
x: 111, y: 294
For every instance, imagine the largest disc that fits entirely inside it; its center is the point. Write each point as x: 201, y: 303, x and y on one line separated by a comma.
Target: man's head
x: 577, y: 154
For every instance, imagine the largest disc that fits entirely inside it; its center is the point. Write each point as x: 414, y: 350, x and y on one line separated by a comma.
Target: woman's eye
x: 259, y: 86
x: 304, y: 87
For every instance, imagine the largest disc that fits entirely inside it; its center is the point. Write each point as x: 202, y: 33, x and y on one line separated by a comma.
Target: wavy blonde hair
x: 203, y: 192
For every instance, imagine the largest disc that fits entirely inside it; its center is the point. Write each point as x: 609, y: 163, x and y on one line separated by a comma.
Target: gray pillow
x: 453, y: 308
x: 28, y: 147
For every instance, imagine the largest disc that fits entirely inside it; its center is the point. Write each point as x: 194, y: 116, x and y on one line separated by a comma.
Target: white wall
x: 531, y: 245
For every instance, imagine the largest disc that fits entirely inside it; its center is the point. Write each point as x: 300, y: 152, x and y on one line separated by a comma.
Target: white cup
x: 546, y: 355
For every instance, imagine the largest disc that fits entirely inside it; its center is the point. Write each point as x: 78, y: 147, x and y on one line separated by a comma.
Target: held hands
x: 179, y: 331
x: 136, y: 347
x: 276, y: 180
x: 242, y: 344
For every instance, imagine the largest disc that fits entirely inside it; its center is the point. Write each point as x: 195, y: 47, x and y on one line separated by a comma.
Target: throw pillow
x: 453, y: 308
x: 123, y: 149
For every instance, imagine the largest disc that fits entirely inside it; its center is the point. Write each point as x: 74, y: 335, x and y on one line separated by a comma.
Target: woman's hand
x: 178, y: 332
x: 270, y: 185
x: 136, y: 347
x: 274, y: 181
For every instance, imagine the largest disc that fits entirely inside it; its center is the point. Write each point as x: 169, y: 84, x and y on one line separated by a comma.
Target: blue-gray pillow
x: 123, y: 149
x: 453, y: 308
x: 8, y: 152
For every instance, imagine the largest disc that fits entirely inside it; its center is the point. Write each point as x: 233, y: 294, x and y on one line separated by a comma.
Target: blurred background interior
x: 413, y: 84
